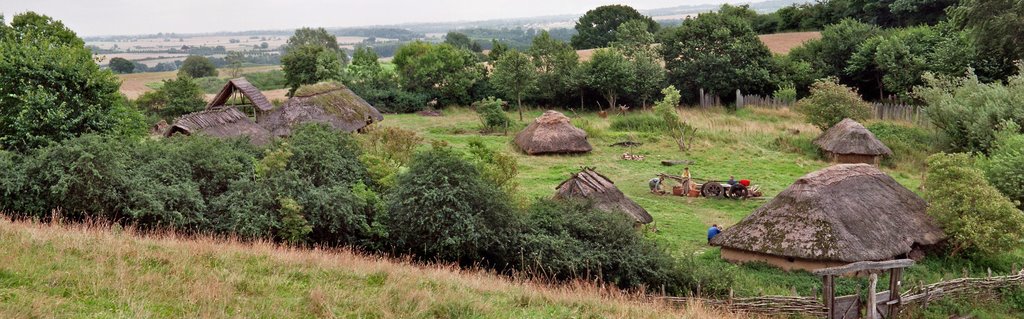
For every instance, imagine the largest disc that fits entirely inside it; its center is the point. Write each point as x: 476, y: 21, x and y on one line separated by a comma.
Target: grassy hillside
x: 55, y: 271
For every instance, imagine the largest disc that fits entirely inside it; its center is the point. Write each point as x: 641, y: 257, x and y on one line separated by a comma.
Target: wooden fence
x: 923, y: 294
x: 768, y: 305
x: 889, y: 110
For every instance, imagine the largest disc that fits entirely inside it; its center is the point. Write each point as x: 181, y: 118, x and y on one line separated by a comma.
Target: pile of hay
x: 552, y: 133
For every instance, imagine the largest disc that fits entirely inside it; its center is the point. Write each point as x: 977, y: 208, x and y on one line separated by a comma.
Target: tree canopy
x: 310, y: 64
x: 121, y: 65
x: 441, y: 71
x: 596, y: 28
x: 515, y: 75
x: 196, y: 66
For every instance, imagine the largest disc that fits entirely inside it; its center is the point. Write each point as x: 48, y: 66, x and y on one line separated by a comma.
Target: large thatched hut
x: 839, y: 215
x: 244, y: 96
x: 219, y: 122
x: 552, y: 133
x: 850, y: 142
x: 590, y: 185
x: 330, y: 103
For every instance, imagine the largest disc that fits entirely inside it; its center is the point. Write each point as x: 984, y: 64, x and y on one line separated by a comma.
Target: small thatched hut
x: 244, y: 96
x: 590, y: 185
x: 330, y: 103
x: 220, y: 122
x: 552, y: 133
x: 839, y: 215
x: 850, y: 142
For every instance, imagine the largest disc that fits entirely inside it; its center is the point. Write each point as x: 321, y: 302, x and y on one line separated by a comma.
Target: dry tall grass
x: 49, y: 270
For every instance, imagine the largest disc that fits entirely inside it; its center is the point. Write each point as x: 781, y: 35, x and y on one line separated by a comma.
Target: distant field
x: 134, y: 84
x: 781, y: 43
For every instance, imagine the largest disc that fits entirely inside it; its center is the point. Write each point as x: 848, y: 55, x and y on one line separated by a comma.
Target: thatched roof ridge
x: 552, y: 133
x: 219, y: 122
x: 330, y: 103
x: 850, y: 137
x: 248, y: 90
x: 591, y: 185
x: 846, y: 213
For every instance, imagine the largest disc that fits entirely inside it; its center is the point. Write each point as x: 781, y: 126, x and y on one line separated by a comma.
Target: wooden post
x: 872, y: 297
x: 895, y: 275
x: 925, y: 295
x: 829, y: 294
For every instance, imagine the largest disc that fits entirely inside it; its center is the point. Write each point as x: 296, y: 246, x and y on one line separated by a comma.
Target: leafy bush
x: 978, y: 219
x: 831, y: 102
x: 196, y: 66
x: 785, y: 94
x: 325, y: 157
x: 386, y: 150
x: 968, y: 112
x: 445, y: 210
x: 174, y: 98
x: 911, y: 145
x: 498, y: 167
x: 492, y: 115
x: 666, y: 110
x: 1004, y: 166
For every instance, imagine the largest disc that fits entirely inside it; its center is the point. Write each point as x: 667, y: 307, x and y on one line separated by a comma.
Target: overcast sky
x: 116, y: 17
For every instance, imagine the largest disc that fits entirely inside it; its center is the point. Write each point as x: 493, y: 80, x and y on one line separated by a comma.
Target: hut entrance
x: 879, y: 305
x: 245, y: 97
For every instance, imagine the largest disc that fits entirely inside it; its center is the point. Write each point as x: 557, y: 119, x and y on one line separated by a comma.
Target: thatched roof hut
x: 220, y: 122
x: 552, y: 133
x: 850, y: 142
x: 842, y: 214
x: 330, y: 103
x: 590, y: 185
x: 241, y: 88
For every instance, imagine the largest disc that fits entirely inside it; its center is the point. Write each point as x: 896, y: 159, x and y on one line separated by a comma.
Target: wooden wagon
x: 715, y: 189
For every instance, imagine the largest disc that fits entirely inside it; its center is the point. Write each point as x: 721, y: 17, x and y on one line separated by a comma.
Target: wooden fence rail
x: 768, y: 305
x: 924, y: 294
x: 881, y: 111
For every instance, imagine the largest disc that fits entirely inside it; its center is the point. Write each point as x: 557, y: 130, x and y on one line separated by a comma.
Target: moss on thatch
x: 845, y: 213
x: 328, y: 102
x: 592, y: 186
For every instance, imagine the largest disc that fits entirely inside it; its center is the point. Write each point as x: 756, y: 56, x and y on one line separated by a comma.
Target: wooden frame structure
x: 243, y: 90
x: 873, y: 268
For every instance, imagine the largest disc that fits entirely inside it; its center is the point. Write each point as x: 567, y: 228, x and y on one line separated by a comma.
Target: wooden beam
x: 873, y: 296
x: 865, y: 265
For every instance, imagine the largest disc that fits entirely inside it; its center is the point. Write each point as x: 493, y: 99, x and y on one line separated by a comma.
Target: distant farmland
x: 133, y: 85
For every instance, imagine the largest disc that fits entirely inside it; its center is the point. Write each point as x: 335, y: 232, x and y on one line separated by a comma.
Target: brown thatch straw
x: 850, y: 137
x: 220, y: 122
x: 846, y: 213
x: 552, y: 133
x: 590, y: 185
x: 330, y: 103
x: 248, y: 90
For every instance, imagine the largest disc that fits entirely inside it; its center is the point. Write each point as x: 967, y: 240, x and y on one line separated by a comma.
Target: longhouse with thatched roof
x: 601, y: 191
x: 330, y: 103
x: 220, y: 122
x: 838, y: 215
x: 244, y: 96
x: 552, y: 133
x: 850, y: 142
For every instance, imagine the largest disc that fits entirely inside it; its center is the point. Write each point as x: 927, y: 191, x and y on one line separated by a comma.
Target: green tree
x: 294, y: 227
x: 121, y: 65
x: 515, y: 75
x: 235, y: 60
x: 440, y: 71
x: 830, y: 55
x: 310, y: 64
x: 557, y: 65
x: 1004, y: 166
x: 446, y: 211
x: 596, y: 28
x: 196, y: 67
x: 968, y: 112
x: 458, y: 40
x: 831, y: 102
x: 317, y: 37
x: 634, y: 38
x: 52, y: 90
x: 978, y: 219
x: 718, y: 53
x: 648, y: 77
x: 610, y: 73
x: 365, y: 56
x: 174, y: 98
x: 497, y: 49
x: 997, y: 27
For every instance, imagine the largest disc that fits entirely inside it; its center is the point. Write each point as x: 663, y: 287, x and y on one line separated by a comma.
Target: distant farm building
x: 850, y: 142
x: 552, y: 133
x: 329, y: 103
x: 839, y: 215
x: 224, y: 122
x: 241, y: 94
x: 601, y: 191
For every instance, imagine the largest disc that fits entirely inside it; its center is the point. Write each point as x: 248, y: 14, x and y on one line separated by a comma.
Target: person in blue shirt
x: 713, y: 231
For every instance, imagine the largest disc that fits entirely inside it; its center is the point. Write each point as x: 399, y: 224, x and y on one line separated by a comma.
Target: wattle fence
x: 891, y: 111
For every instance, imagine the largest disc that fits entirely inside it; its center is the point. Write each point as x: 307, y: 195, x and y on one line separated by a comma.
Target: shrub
x: 978, y: 219
x: 386, y: 150
x: 445, y: 210
x: 666, y: 110
x: 831, y: 102
x: 968, y: 112
x: 492, y: 115
x: 1004, y: 166
x: 498, y: 167
x: 196, y: 67
x: 569, y: 240
x: 294, y: 227
x: 174, y: 98
x: 325, y: 157
x: 785, y: 94
x: 911, y: 145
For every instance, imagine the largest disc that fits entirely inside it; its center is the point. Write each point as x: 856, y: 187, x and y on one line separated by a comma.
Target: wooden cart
x: 714, y: 189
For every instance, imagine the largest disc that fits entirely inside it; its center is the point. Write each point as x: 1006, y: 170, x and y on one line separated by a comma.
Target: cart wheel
x: 712, y: 189
x: 741, y: 193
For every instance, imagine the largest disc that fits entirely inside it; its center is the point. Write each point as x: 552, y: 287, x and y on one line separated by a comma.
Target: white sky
x: 117, y: 17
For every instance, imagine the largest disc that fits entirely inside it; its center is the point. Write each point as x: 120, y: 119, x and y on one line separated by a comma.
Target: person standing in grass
x: 713, y: 231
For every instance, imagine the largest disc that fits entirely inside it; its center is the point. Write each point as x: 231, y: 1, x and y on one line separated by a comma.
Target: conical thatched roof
x: 248, y: 90
x: 846, y: 213
x: 220, y: 122
x: 330, y: 103
x: 552, y: 132
x: 589, y: 185
x: 850, y: 137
